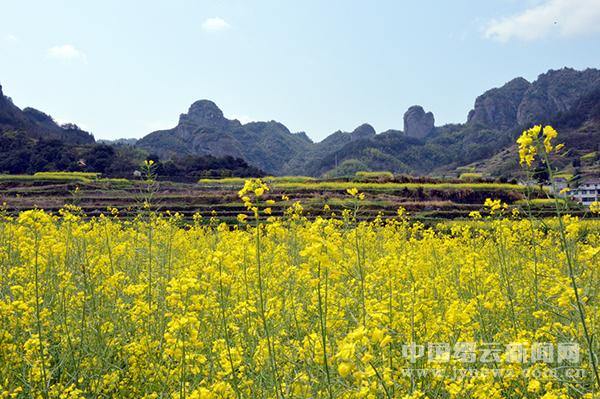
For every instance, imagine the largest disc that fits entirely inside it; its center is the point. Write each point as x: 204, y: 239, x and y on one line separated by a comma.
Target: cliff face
x: 520, y: 103
x: 497, y: 108
x: 555, y: 92
x: 37, y: 124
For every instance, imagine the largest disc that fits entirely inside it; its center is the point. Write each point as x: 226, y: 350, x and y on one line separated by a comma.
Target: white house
x: 587, y: 192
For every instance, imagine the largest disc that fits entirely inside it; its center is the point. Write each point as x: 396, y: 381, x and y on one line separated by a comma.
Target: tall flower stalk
x: 257, y: 189
x: 532, y: 142
x: 38, y: 317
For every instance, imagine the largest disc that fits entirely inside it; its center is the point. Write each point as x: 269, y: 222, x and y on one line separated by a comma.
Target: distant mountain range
x: 567, y: 98
x: 499, y: 114
x: 36, y: 124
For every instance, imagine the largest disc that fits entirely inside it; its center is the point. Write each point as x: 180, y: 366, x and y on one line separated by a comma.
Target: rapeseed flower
x: 150, y: 307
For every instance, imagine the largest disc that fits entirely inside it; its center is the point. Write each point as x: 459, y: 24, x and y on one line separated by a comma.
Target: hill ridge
x: 420, y: 148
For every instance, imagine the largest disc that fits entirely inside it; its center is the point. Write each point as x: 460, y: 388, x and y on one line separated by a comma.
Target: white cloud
x: 10, y: 38
x: 215, y: 24
x: 564, y: 18
x: 66, y: 52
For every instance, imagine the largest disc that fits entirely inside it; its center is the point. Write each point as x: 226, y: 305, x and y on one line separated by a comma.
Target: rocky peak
x: 497, y: 108
x: 418, y: 123
x: 203, y: 113
x: 554, y: 92
x: 363, y: 131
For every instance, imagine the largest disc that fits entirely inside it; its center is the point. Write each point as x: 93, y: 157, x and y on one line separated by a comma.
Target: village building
x: 587, y: 192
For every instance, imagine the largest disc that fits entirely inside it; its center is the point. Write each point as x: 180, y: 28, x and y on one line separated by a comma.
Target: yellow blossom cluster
x: 530, y: 142
x: 494, y: 206
x: 251, y: 195
x: 158, y: 307
x: 355, y: 193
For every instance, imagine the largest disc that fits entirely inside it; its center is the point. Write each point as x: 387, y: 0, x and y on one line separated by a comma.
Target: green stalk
x: 38, y: 317
x: 226, y: 331
x: 569, y: 256
x: 385, y: 389
x: 361, y: 274
x: 263, y: 316
x: 323, y: 323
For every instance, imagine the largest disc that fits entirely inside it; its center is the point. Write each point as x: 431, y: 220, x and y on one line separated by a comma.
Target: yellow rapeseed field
x: 503, y: 306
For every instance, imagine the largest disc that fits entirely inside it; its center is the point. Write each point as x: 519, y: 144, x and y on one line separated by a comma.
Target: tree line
x: 20, y: 154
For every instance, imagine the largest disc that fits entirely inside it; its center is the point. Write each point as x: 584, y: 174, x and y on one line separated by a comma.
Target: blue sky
x: 126, y: 68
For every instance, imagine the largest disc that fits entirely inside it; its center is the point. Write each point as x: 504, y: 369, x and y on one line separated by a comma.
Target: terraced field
x: 425, y: 199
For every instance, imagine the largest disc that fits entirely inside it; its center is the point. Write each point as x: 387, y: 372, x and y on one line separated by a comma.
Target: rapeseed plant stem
x: 570, y: 265
x: 226, y: 332
x: 262, y: 307
x: 323, y: 324
x: 381, y: 381
x: 38, y: 316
